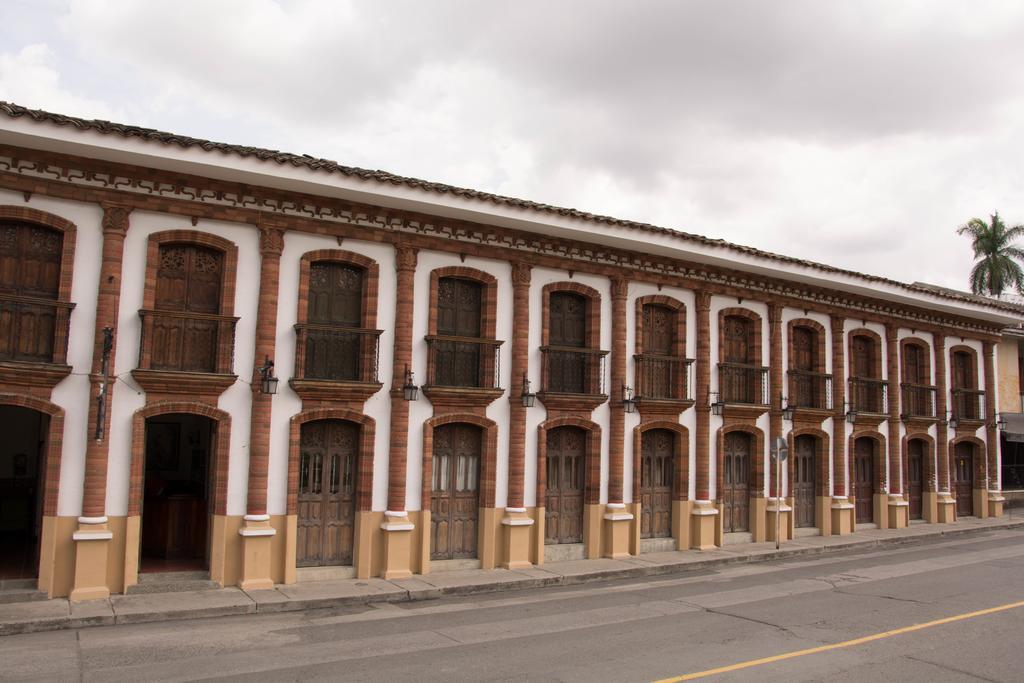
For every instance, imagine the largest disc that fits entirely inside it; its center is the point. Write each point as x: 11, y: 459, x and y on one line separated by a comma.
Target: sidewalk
x: 49, y: 615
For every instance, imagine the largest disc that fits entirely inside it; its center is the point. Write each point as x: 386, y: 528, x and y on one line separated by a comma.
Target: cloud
x: 30, y: 77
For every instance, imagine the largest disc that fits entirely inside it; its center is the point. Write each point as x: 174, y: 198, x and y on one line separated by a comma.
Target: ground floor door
x: 736, y: 470
x: 176, y: 493
x: 804, y: 482
x: 455, y: 499
x: 915, y: 483
x: 563, y: 496
x: 657, y: 459
x: 328, y: 456
x: 963, y: 479
x: 21, y: 490
x: 864, y: 480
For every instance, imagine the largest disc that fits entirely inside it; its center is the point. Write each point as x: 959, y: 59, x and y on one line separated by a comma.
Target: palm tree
x: 998, y: 266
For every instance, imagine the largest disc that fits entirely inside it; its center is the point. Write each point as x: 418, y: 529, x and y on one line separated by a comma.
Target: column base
x: 929, y: 507
x: 397, y: 545
x: 995, y: 504
x: 843, y: 513
x: 980, y: 503
x: 703, y: 520
x: 881, y: 510
x: 256, y: 535
x: 898, y: 512
x: 91, y: 541
x: 759, y: 519
x: 777, y: 512
x: 946, y: 508
x: 516, y: 538
x: 616, y: 528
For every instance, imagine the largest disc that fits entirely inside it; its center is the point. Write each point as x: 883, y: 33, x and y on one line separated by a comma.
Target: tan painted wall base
x: 881, y: 510
x: 593, y: 523
x: 759, y: 519
x: 616, y: 529
x: 257, y: 535
x: 398, y: 548
x: 823, y: 514
x: 898, y: 512
x: 537, y: 535
x: 703, y: 522
x: 945, y: 508
x: 681, y: 523
x: 930, y: 507
x: 843, y: 515
x: 515, y: 536
x: 636, y: 510
x: 980, y: 503
x: 91, y: 549
x: 995, y: 504
x: 777, y: 512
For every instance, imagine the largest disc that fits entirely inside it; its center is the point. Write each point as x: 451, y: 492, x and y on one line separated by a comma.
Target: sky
x: 858, y: 133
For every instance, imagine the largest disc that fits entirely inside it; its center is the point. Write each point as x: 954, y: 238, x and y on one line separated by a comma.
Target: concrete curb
x: 133, y: 610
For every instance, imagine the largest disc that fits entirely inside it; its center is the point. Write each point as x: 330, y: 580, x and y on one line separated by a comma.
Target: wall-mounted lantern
x: 628, y: 399
x: 717, y: 407
x: 268, y: 382
x: 409, y: 390
x: 851, y: 414
x: 528, y: 398
x: 788, y: 410
x: 953, y: 420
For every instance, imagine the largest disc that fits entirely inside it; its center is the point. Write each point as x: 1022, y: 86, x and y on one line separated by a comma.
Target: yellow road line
x: 835, y: 646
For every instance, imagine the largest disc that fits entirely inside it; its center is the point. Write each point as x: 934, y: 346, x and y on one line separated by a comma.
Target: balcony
x: 33, y: 340
x: 572, y: 378
x: 336, y: 363
x: 917, y: 401
x: 810, y: 390
x: 462, y: 371
x: 868, y: 395
x: 183, y: 352
x: 742, y: 384
x: 968, y: 405
x: 663, y: 383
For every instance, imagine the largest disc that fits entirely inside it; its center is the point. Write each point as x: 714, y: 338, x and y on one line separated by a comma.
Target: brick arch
x: 973, y: 353
x: 364, y: 462
x: 489, y: 307
x: 204, y: 239
x: 821, y: 458
x: 926, y: 360
x: 69, y: 236
x: 51, y: 454
x: 820, y: 347
x: 755, y: 351
x: 879, y: 459
x: 679, y: 347
x: 681, y: 462
x: 756, y: 456
x: 592, y: 494
x: 928, y: 474
x: 218, y: 457
x: 980, y: 461
x: 876, y: 370
x: 593, y: 299
x: 488, y: 459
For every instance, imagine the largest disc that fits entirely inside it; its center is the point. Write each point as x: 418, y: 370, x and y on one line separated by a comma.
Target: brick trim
x: 973, y: 353
x: 928, y: 462
x: 756, y: 456
x: 926, y: 361
x: 364, y: 462
x: 879, y: 457
x: 681, y: 461
x: 876, y: 339
x: 754, y: 351
x: 819, y: 340
x: 50, y: 455
x: 69, y: 236
x: 488, y: 458
x: 592, y: 458
x: 204, y: 239
x: 977, y: 456
x: 489, y: 308
x: 677, y: 306
x: 822, y: 448
x: 593, y: 298
x: 219, y: 453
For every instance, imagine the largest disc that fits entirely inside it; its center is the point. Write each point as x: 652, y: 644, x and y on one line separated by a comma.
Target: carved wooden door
x: 804, y: 352
x: 864, y: 480
x: 335, y: 303
x: 328, y: 455
x: 914, y: 374
x: 567, y: 327
x: 736, y: 496
x: 804, y: 480
x: 188, y: 280
x: 963, y: 479
x: 30, y: 259
x: 866, y: 396
x: 915, y: 470
x: 456, y: 363
x: 566, y: 476
x: 661, y: 372
x: 455, y: 499
x: 657, y: 467
x: 737, y: 384
x: 964, y: 405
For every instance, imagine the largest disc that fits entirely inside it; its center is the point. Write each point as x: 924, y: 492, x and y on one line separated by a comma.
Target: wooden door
x: 914, y: 373
x: 30, y: 259
x: 737, y: 383
x: 188, y: 280
x: 864, y: 480
x: 455, y: 499
x: 866, y: 396
x: 915, y: 478
x: 659, y: 366
x: 736, y: 496
x: 804, y: 479
x: 457, y: 364
x: 566, y: 476
x: 963, y: 479
x: 328, y: 455
x: 567, y: 328
x: 335, y: 303
x: 657, y: 468
x: 805, y: 349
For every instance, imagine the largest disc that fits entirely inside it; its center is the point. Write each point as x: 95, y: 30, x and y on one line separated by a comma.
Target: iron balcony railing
x: 462, y: 362
x: 917, y: 400
x: 741, y: 383
x: 343, y: 354
x: 810, y: 390
x: 34, y: 330
x: 663, y: 377
x: 187, y: 342
x: 869, y: 395
x: 572, y: 370
x: 968, y: 404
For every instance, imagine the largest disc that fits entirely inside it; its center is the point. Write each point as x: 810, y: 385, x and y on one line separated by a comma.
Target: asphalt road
x: 636, y: 630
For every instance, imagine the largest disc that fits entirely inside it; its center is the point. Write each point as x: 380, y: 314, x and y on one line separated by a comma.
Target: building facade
x: 461, y: 379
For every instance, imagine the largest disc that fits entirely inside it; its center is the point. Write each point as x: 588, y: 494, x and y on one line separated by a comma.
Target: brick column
x: 516, y: 522
x: 946, y: 511
x: 617, y: 519
x: 257, y: 531
x: 841, y: 510
x: 703, y: 514
x: 90, y: 539
x: 994, y: 497
x: 775, y: 393
x: 396, y: 525
x: 898, y: 510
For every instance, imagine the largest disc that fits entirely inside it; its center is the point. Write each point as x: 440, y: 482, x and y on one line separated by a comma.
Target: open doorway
x: 21, y: 490
x: 176, y: 493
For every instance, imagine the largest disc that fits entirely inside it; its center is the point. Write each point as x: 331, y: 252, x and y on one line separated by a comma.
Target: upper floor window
x: 863, y: 362
x: 334, y: 345
x: 571, y: 362
x: 30, y: 269
x: 741, y: 378
x: 868, y: 392
x: 661, y: 368
x: 918, y: 395
x: 457, y: 357
x: 737, y: 337
x: 964, y: 376
x: 915, y: 364
x: 809, y: 386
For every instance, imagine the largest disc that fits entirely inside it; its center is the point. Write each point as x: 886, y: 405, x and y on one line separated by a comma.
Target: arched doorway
x: 736, y: 495
x: 176, y: 493
x: 657, y: 472
x: 21, y: 490
x: 804, y: 479
x: 963, y: 478
x: 864, y: 479
x: 328, y: 457
x: 455, y: 495
x: 563, y: 497
x: 915, y: 476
